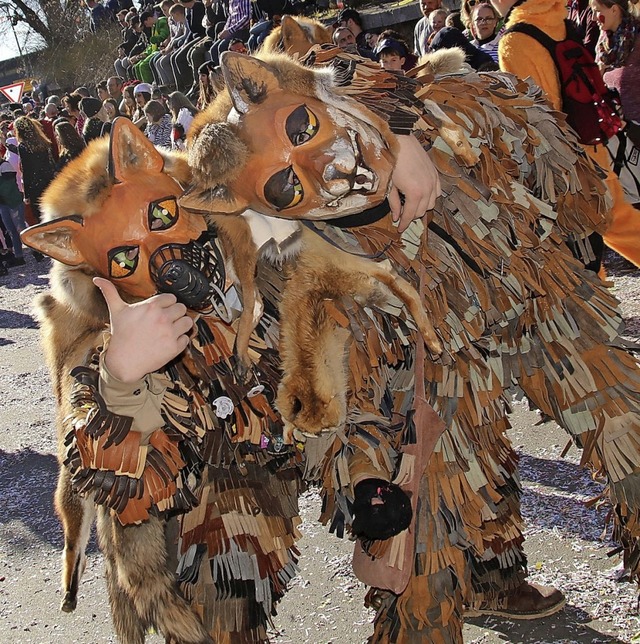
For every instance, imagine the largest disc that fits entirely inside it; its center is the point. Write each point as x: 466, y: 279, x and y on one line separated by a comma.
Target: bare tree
x: 48, y: 23
x: 69, y: 54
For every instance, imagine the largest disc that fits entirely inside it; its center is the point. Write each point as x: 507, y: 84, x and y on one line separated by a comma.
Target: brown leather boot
x: 527, y: 601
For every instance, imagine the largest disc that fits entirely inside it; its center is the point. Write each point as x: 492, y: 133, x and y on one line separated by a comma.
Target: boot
x: 527, y: 601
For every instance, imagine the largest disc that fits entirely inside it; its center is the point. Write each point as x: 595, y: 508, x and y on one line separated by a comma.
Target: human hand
x: 144, y: 336
x: 225, y: 34
x: 417, y: 179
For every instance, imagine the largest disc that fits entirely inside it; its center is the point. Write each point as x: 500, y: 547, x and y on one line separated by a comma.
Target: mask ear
x: 248, y: 80
x: 130, y: 152
x: 293, y: 35
x: 55, y: 239
x: 216, y: 200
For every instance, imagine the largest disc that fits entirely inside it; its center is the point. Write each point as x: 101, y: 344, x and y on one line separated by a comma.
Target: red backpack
x: 591, y: 108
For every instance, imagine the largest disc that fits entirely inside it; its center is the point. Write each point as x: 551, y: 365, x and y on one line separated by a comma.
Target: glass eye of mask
x: 301, y: 125
x: 283, y: 189
x: 163, y: 214
x: 123, y: 261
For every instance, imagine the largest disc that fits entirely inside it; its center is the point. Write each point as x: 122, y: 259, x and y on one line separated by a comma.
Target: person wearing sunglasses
x: 423, y: 28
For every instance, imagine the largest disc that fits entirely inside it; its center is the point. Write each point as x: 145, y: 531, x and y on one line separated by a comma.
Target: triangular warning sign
x: 13, y: 92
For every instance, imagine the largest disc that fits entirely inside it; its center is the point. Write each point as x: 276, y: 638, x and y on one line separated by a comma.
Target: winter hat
x: 90, y: 106
x: 142, y: 87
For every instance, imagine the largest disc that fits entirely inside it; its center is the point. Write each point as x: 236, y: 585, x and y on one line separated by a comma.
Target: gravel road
x: 566, y: 540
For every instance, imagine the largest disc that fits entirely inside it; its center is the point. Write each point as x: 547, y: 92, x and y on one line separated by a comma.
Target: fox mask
x: 133, y: 231
x: 304, y: 151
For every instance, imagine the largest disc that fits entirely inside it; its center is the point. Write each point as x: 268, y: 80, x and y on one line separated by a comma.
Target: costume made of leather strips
x: 513, y: 307
x: 217, y: 463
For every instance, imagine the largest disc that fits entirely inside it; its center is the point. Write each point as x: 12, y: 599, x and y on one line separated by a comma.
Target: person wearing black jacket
x: 182, y: 72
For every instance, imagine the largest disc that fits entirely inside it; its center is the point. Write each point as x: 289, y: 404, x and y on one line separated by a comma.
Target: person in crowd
x: 393, y: 52
x: 182, y: 111
x: 141, y: 95
x: 195, y: 32
x: 448, y: 37
x: 101, y: 90
x: 344, y: 38
x: 100, y: 16
x: 12, y: 212
x: 454, y: 20
x: 135, y: 55
x: 36, y: 160
x: 206, y: 90
x: 352, y: 20
x: 161, y: 63
x: 159, y: 125
x: 484, y: 26
x: 618, y: 52
x: 438, y: 19
x: 581, y: 15
x: 111, y: 112
x: 423, y: 29
x: 236, y: 27
x: 524, y: 57
x: 134, y: 41
x: 466, y: 8
x: 114, y: 88
x: 50, y: 115
x: 159, y: 34
x: 95, y: 117
x: 71, y: 103
x: 70, y: 143
x: 128, y: 104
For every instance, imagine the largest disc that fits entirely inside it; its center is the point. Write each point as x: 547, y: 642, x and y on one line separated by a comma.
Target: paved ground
x: 325, y: 603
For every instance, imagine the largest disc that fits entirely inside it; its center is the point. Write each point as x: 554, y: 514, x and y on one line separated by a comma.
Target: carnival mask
x: 129, y: 227
x: 310, y: 154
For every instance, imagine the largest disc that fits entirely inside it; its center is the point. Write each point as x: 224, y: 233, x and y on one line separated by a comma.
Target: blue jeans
x: 13, y: 221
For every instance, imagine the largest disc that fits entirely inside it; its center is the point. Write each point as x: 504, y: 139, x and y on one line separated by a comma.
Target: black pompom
x: 381, y: 510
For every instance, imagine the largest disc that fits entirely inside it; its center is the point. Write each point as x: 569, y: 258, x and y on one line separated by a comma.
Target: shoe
x: 15, y: 261
x: 528, y: 601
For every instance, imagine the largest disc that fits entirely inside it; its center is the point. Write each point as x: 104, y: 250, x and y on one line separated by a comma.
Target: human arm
x: 416, y: 178
x: 239, y: 17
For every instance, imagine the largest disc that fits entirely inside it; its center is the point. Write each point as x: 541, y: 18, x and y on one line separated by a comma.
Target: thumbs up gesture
x: 144, y: 336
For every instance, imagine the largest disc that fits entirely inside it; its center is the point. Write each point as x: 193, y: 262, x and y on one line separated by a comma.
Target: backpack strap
x: 537, y: 34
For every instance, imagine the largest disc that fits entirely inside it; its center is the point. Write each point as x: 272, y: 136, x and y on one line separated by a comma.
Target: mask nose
x: 187, y: 283
x: 191, y: 272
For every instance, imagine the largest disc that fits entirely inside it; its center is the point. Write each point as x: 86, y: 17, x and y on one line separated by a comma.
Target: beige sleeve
x: 140, y: 400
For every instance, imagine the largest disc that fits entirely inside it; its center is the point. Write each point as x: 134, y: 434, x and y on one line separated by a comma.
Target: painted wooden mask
x: 126, y: 224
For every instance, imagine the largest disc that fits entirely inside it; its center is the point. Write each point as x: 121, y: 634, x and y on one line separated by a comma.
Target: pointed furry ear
x: 131, y: 152
x: 248, y: 79
x: 56, y: 239
x: 292, y: 32
x: 213, y: 201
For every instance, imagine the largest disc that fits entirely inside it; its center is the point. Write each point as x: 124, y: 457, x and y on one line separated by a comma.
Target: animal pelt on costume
x: 510, y: 303
x: 210, y: 454
x: 296, y: 35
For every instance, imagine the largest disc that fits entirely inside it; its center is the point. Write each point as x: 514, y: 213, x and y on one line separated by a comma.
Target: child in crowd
x: 159, y: 125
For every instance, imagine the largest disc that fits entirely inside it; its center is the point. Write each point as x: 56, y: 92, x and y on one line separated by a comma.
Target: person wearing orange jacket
x: 523, y: 56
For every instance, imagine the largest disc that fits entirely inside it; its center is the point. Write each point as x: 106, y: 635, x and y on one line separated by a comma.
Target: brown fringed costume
x: 512, y: 306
